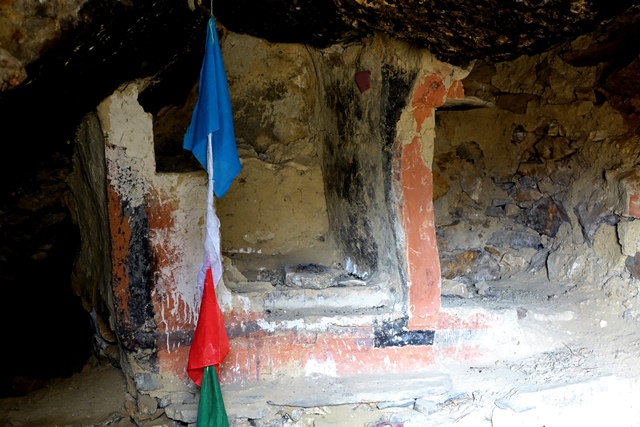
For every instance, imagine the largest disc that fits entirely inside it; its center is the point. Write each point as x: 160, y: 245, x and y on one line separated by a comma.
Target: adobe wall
x: 361, y: 159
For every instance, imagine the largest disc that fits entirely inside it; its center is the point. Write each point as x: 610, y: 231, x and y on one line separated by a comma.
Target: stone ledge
x: 320, y: 390
x: 348, y: 300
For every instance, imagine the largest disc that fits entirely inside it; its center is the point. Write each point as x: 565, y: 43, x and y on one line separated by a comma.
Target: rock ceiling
x: 76, y: 52
x: 456, y: 31
x: 58, y: 59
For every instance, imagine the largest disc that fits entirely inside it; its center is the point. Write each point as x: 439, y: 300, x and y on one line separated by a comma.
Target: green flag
x: 211, y: 412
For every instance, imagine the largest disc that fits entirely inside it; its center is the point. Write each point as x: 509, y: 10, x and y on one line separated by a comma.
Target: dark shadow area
x: 48, y: 330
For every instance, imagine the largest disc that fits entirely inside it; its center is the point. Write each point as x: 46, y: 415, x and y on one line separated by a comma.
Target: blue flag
x: 212, y: 115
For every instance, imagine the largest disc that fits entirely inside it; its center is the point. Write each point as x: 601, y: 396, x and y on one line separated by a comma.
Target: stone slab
x: 362, y: 299
x: 311, y: 276
x: 426, y: 406
x: 407, y: 403
x: 247, y: 287
x: 253, y: 411
x: 320, y: 390
x: 629, y: 237
x: 187, y: 413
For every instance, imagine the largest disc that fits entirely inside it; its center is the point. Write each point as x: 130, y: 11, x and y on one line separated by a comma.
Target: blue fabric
x: 212, y: 114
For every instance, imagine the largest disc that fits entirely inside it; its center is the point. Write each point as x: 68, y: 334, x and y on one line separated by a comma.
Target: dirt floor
x: 94, y: 397
x: 589, y: 360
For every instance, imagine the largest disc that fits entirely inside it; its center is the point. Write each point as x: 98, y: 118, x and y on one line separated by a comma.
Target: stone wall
x: 541, y: 182
x: 156, y: 240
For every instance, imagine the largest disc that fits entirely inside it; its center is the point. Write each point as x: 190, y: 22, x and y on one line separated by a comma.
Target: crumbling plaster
x: 368, y: 137
x: 155, y: 227
x: 156, y: 219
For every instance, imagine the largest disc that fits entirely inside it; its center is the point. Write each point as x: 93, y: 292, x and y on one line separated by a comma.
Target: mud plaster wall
x: 156, y: 222
x: 363, y: 134
x: 155, y: 226
x: 359, y: 134
x: 539, y: 183
x: 276, y: 206
x: 323, y: 163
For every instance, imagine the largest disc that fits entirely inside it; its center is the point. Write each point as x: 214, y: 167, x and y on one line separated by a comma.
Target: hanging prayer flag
x: 211, y: 138
x: 212, y: 115
x: 211, y: 412
x: 210, y: 344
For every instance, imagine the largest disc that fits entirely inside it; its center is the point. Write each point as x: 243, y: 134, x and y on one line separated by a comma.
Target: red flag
x: 210, y: 343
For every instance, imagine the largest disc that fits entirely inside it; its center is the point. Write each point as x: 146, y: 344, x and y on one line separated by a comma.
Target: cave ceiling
x: 58, y: 59
x: 455, y: 31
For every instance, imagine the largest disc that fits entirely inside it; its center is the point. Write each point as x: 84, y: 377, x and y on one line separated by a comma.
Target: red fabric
x: 210, y: 343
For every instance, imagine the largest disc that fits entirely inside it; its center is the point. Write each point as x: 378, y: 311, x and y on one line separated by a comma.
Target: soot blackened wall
x: 359, y: 162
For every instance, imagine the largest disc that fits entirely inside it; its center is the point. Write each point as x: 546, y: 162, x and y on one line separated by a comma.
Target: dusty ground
x: 94, y: 397
x: 584, y: 342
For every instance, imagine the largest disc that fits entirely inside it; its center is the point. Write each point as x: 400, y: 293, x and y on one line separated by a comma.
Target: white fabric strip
x: 212, y: 231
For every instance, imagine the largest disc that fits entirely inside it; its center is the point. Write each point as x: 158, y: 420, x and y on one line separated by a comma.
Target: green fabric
x: 211, y: 412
